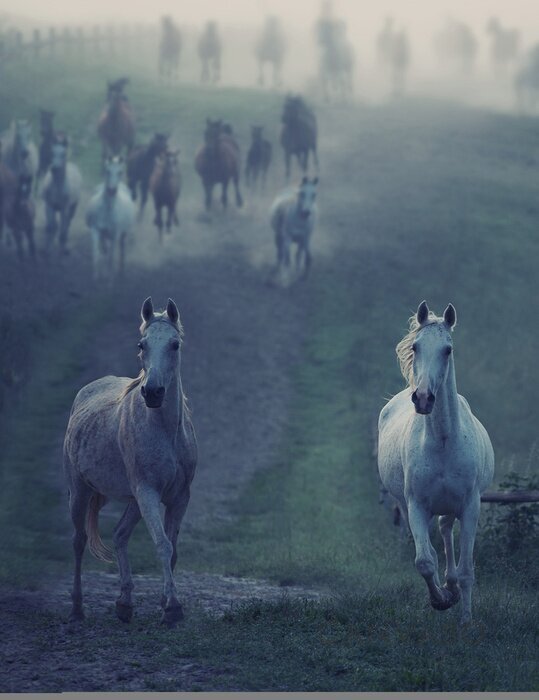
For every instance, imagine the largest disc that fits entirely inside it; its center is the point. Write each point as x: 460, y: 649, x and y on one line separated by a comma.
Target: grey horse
x: 61, y: 191
x: 132, y: 440
x: 19, y: 152
x: 293, y: 217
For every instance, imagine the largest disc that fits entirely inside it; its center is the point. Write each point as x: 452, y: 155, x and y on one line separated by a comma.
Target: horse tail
x: 95, y: 543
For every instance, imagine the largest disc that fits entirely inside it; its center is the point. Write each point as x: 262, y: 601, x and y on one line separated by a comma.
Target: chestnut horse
x: 218, y: 161
x: 165, y: 185
x: 116, y: 127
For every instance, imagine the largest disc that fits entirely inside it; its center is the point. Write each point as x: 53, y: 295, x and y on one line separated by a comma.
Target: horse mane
x: 159, y: 317
x: 404, y: 351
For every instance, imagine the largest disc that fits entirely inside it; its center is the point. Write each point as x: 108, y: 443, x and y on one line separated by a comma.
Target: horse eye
x: 448, y: 350
x: 175, y: 344
x: 414, y: 347
x: 140, y: 346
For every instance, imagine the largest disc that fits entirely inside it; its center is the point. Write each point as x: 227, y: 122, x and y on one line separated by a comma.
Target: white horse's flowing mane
x: 404, y: 350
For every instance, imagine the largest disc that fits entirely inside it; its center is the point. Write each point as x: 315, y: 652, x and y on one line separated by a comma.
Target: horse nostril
x: 414, y: 397
x: 143, y: 390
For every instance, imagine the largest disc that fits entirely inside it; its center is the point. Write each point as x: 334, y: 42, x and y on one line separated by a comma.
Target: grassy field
x: 431, y: 201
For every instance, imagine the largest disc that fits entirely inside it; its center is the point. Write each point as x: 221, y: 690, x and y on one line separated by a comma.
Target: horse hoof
x: 124, y: 612
x: 171, y: 616
x: 448, y: 600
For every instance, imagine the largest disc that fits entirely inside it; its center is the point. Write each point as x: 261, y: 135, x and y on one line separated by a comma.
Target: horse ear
x: 450, y: 316
x: 172, y: 311
x: 422, y: 313
x: 305, y: 180
x: 147, y: 310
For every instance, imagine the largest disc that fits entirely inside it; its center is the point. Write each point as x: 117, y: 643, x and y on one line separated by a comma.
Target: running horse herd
x: 150, y: 168
x: 133, y: 440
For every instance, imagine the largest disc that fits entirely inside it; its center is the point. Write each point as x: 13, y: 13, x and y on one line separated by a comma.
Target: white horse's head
x: 114, y: 170
x: 59, y: 152
x: 432, y: 348
x: 159, y: 351
x: 307, y: 197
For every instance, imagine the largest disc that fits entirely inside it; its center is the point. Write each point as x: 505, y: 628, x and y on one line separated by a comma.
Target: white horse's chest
x: 440, y: 474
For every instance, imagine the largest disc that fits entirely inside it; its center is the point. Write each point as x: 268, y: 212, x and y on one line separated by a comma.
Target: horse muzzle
x: 112, y: 191
x: 423, y: 402
x: 153, y: 396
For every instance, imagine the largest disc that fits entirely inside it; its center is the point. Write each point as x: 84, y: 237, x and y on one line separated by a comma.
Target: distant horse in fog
x: 457, y: 44
x: 258, y: 158
x: 110, y: 217
x: 527, y: 81
x: 393, y: 51
x: 293, y: 217
x: 270, y: 48
x: 299, y: 132
x: 20, y: 217
x: 8, y: 188
x: 434, y: 457
x: 337, y: 62
x: 165, y: 186
x: 140, y: 166
x: 46, y: 128
x: 116, y: 127
x: 209, y: 51
x: 61, y: 191
x: 170, y: 46
x: 218, y: 161
x: 505, y: 44
x: 19, y: 152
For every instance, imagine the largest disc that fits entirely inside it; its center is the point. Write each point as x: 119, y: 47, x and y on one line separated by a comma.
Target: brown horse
x: 116, y: 127
x: 165, y: 186
x: 8, y: 191
x: 299, y: 133
x: 218, y: 161
x: 20, y: 217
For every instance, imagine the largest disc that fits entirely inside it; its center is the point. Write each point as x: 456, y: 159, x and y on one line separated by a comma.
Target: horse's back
x: 91, y: 446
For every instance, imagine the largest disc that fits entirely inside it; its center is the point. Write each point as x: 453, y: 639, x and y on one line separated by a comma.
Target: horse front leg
x: 207, y: 195
x: 122, y: 533
x: 465, y: 568
x: 173, y: 518
x: 224, y: 194
x: 144, y: 187
x: 158, y: 221
x: 50, y: 227
x: 149, y: 503
x: 287, y: 165
x: 239, y: 198
x: 426, y: 560
x: 79, y: 498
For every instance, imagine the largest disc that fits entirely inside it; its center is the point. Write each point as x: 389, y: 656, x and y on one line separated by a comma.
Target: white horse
x: 435, y: 457
x: 293, y: 218
x: 132, y: 440
x: 110, y: 218
x: 19, y: 152
x: 61, y: 191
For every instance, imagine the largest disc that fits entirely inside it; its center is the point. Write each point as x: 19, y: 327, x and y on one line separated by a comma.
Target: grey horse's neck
x: 444, y: 419
x: 171, y: 413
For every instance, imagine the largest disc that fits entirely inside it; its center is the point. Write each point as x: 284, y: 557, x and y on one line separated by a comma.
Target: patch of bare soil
x: 56, y: 656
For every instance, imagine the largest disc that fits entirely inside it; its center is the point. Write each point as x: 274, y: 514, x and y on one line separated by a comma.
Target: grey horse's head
x: 59, y: 150
x: 159, y: 351
x: 307, y: 197
x: 114, y: 170
x: 432, y: 348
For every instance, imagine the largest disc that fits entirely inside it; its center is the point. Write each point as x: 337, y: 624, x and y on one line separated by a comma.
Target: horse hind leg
x: 122, y: 533
x: 451, y: 578
x: 239, y: 198
x: 224, y: 194
x: 79, y: 498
